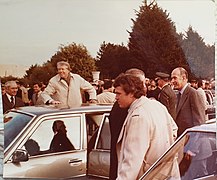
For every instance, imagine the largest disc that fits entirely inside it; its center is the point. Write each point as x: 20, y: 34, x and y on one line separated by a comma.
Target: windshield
x: 13, y: 124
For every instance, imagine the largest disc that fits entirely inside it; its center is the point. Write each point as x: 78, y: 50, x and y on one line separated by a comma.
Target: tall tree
x: 112, y: 60
x: 153, y: 42
x: 199, y: 56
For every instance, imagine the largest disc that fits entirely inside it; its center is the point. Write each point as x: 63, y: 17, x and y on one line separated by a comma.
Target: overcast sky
x: 32, y: 30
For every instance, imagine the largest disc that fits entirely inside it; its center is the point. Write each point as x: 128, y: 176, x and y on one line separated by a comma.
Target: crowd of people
x: 146, y: 118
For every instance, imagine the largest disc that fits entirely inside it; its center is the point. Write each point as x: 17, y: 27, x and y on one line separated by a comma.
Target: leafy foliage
x: 112, y: 60
x: 76, y: 55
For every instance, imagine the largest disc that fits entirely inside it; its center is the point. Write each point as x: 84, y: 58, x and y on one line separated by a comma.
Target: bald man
x: 190, y: 110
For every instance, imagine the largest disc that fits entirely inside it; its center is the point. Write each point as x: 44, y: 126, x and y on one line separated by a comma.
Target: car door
x: 99, y: 157
x: 67, y: 159
x: 192, y: 156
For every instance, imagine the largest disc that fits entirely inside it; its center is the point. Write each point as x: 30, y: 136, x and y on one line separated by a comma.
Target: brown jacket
x: 190, y: 110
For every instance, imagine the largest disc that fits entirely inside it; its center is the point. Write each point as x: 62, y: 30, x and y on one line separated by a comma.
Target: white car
x: 29, y: 133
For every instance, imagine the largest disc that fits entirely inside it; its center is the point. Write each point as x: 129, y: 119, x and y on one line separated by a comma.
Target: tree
x: 37, y: 73
x: 153, y: 42
x: 8, y: 78
x: 78, y: 57
x: 199, y: 56
x: 112, y: 60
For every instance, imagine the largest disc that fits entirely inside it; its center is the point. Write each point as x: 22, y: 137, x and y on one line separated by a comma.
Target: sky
x: 32, y: 30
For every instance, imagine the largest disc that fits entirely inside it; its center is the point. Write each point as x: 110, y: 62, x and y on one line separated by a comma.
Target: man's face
x: 178, y: 81
x: 124, y: 100
x: 36, y: 88
x: 160, y: 82
x: 63, y: 71
x: 12, y: 89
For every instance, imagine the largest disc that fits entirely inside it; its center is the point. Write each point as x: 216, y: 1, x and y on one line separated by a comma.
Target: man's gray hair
x: 64, y: 63
x: 10, y: 83
x: 136, y: 72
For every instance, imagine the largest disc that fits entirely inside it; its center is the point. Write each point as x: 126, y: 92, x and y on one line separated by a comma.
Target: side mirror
x: 20, y: 155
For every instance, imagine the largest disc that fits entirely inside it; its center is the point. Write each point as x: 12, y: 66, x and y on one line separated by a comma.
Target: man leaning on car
x: 65, y: 88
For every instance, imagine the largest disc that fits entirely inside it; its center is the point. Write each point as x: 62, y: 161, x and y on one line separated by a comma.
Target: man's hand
x: 94, y: 101
x: 55, y: 102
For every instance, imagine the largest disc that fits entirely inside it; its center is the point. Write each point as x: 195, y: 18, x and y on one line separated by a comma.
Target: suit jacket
x: 147, y: 132
x: 168, y: 98
x: 39, y: 100
x: 7, y: 104
x: 116, y: 120
x: 190, y: 110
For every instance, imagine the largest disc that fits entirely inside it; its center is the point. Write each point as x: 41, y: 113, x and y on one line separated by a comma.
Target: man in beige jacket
x: 65, y: 88
x: 147, y: 132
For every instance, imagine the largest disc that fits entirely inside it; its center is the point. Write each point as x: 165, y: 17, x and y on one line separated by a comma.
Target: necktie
x: 178, y: 98
x: 12, y: 101
x: 36, y: 97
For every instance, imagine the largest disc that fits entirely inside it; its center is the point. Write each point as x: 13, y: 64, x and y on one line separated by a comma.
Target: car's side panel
x: 99, y: 162
x: 99, y: 157
x: 72, y: 164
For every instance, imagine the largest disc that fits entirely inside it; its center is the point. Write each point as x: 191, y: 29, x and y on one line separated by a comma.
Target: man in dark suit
x: 166, y: 96
x: 9, y: 98
x: 116, y: 120
x: 190, y: 110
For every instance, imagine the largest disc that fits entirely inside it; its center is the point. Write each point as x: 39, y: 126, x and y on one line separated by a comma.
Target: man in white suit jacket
x: 65, y: 88
x: 147, y: 132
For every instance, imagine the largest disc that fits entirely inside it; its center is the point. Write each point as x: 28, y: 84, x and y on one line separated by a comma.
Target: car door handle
x: 75, y: 161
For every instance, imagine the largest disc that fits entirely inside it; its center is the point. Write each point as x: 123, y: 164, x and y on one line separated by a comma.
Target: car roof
x: 44, y: 109
x: 209, y: 126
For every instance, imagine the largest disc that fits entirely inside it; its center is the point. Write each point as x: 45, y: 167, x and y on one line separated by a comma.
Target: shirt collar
x: 9, y: 96
x: 182, y: 90
x: 71, y: 74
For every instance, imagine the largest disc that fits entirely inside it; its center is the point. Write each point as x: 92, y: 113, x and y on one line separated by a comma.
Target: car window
x: 55, y: 135
x: 105, y: 136
x: 193, y: 156
x: 199, y: 156
x: 92, y: 125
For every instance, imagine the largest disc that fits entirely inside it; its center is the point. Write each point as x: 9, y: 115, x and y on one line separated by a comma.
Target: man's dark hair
x: 39, y: 84
x: 57, y: 125
x: 107, y: 84
x: 200, y: 83
x: 130, y: 84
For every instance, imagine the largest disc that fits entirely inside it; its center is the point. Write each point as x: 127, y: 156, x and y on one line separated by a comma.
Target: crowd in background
x: 30, y: 95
